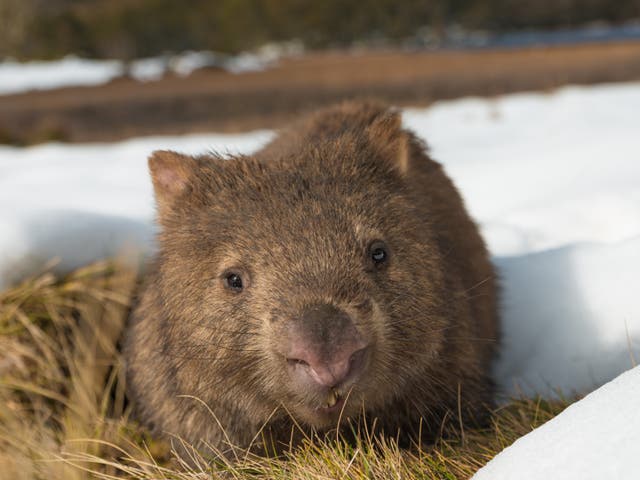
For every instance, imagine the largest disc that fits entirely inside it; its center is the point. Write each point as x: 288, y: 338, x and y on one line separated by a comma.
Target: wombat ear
x: 386, y: 133
x: 171, y: 173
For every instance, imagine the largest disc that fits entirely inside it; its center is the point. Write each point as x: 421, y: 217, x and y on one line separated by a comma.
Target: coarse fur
x: 297, y: 220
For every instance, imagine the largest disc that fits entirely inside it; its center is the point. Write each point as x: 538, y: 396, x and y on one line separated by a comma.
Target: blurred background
x: 531, y: 106
x: 103, y: 70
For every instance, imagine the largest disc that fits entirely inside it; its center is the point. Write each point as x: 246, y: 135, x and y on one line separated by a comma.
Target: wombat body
x: 332, y: 276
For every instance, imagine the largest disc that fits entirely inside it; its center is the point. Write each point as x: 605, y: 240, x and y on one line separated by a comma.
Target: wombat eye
x: 233, y: 281
x: 378, y: 252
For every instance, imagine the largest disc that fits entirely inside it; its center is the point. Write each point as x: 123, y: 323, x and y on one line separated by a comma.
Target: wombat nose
x: 324, y: 347
x: 329, y: 373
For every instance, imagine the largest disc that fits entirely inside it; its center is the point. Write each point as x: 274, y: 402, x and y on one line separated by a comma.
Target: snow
x: 575, y: 151
x: 71, y: 71
x: 593, y: 439
x: 572, y: 321
x: 82, y: 202
x: 16, y: 77
x: 553, y: 180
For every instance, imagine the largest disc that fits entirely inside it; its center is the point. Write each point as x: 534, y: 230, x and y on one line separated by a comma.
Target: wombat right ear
x: 171, y: 173
x: 386, y: 133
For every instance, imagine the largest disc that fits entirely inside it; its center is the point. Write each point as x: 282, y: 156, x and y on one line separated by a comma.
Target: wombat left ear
x: 386, y: 133
x: 171, y: 173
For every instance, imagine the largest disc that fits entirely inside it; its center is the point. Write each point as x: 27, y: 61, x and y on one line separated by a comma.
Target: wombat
x: 331, y: 278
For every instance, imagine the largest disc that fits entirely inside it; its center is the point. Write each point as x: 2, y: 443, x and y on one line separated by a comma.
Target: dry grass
x: 63, y: 412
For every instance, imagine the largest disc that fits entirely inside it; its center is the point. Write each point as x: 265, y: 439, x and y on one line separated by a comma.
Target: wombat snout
x: 324, y: 348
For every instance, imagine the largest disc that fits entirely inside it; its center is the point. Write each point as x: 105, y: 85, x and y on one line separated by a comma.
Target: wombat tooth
x: 332, y: 398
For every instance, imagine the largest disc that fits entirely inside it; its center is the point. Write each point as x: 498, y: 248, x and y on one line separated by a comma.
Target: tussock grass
x: 64, y: 415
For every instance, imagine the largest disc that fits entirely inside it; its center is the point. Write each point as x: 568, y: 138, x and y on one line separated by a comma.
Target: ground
x: 65, y: 415
x: 215, y: 100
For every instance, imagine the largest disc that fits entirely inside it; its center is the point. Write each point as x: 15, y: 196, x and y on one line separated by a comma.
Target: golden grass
x: 63, y: 412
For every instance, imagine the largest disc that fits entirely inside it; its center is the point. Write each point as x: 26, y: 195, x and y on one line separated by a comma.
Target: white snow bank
x: 70, y: 71
x: 594, y: 439
x: 543, y: 170
x: 83, y: 202
x: 42, y: 75
x: 571, y: 318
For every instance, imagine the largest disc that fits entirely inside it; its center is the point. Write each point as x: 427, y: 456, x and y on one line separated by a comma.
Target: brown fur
x: 296, y: 218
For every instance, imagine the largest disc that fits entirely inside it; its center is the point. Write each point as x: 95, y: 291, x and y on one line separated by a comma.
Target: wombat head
x: 304, y: 277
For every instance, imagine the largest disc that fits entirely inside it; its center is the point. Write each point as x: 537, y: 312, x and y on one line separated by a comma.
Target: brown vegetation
x: 138, y: 28
x: 63, y: 416
x: 211, y: 100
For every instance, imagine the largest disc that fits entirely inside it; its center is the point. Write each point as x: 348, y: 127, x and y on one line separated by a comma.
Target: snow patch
x: 83, y: 202
x: 570, y: 318
x: 593, y: 439
x: 16, y: 77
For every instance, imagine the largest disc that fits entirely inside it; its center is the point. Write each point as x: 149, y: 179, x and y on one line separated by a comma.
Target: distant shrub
x: 134, y: 28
